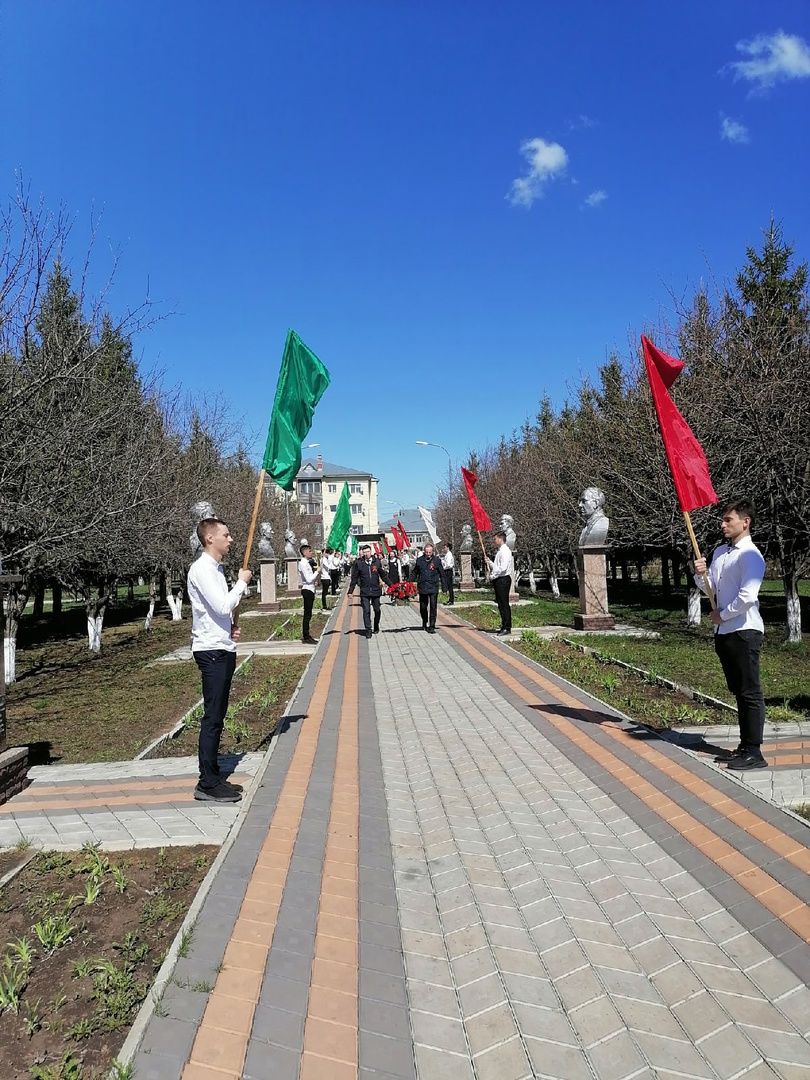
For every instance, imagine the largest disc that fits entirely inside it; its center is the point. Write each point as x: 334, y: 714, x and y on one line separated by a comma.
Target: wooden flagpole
x: 251, y: 533
x: 696, y: 550
x: 483, y: 552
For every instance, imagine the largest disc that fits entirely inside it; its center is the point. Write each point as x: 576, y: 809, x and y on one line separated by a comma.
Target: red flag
x: 405, y: 540
x: 481, y: 518
x: 687, y: 462
x: 377, y: 548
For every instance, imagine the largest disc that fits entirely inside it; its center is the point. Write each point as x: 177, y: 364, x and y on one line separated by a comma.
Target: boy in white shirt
x: 501, y: 572
x: 306, y: 582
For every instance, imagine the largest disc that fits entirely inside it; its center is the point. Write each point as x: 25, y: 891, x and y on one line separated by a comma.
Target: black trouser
x: 325, y: 586
x: 427, y: 607
x: 217, y: 668
x: 309, y: 601
x: 448, y: 581
x: 335, y: 576
x: 502, y: 587
x: 739, y: 655
x: 367, y: 603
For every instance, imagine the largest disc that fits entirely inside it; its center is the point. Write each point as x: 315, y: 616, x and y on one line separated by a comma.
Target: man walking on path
x: 428, y: 576
x: 501, y: 572
x: 326, y: 576
x: 736, y: 572
x: 367, y: 572
x: 306, y: 583
x: 213, y: 646
x: 449, y: 565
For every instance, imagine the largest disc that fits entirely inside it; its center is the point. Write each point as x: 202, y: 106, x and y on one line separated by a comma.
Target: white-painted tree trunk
x: 532, y: 582
x: 95, y: 624
x: 10, y: 659
x: 794, y: 614
x: 147, y: 623
x: 175, y: 606
x: 693, y: 613
x: 555, y: 586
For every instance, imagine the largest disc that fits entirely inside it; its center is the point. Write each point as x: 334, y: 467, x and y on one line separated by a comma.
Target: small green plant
x: 22, y: 951
x: 238, y: 729
x: 69, y: 1068
x: 202, y: 986
x: 58, y: 1003
x: 32, y: 1018
x: 609, y: 683
x: 122, y: 1072
x: 162, y: 856
x: 160, y: 908
x: 82, y: 1029
x: 193, y: 717
x: 82, y: 968
x: 119, y: 879
x: 185, y: 942
x: 117, y: 995
x: 95, y: 862
x: 131, y: 952
x: 58, y: 863
x: 200, y: 862
x: 54, y: 932
x: 92, y: 887
x: 13, y: 980
x: 23, y: 844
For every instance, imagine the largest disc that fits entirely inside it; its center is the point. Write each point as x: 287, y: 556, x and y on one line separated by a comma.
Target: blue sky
x: 347, y: 167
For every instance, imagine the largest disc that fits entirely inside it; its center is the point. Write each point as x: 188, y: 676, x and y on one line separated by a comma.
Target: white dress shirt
x: 326, y: 568
x: 306, y: 575
x: 503, y: 564
x: 448, y: 562
x: 736, y: 573
x: 211, y: 605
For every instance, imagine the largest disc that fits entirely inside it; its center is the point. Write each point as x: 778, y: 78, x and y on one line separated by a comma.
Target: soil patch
x: 81, y: 969
x: 259, y: 695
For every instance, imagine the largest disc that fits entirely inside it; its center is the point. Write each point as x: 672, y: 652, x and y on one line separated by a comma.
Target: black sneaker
x: 503, y: 633
x: 222, y: 793
x: 727, y: 755
x: 368, y: 634
x: 747, y: 760
x: 431, y: 629
x: 376, y: 629
x: 309, y: 641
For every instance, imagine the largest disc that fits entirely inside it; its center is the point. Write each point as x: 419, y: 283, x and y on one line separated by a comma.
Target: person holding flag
x: 735, y: 575
x: 501, y: 573
x: 306, y: 582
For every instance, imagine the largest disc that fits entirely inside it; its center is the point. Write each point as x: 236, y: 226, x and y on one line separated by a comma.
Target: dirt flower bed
x: 641, y: 699
x: 259, y: 695
x: 83, y: 935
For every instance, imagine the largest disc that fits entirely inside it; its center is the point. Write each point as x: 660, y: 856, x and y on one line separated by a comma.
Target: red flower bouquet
x: 401, y: 591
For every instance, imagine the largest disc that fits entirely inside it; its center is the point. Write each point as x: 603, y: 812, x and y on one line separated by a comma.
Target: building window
x: 357, y: 530
x: 332, y: 489
x: 309, y: 487
x: 333, y: 508
x: 311, y: 508
x: 355, y: 489
x: 357, y: 508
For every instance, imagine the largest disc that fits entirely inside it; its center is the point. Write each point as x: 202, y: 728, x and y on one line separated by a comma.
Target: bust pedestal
x: 593, y: 611
x: 267, y: 586
x: 292, y: 578
x: 467, y: 579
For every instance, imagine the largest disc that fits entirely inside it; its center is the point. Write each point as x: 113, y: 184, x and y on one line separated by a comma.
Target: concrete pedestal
x: 293, y: 588
x: 13, y: 772
x: 467, y: 579
x: 267, y: 586
x: 593, y: 611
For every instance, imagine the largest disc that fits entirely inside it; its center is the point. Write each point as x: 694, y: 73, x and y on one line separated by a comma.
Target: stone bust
x: 199, y: 511
x: 266, y: 541
x: 466, y: 538
x: 591, y: 503
x: 508, y: 526
x: 291, y: 546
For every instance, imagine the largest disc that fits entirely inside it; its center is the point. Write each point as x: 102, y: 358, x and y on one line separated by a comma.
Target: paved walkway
x: 457, y: 865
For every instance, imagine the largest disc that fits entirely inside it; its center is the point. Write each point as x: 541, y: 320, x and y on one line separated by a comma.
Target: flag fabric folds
x: 399, y: 543
x: 302, y: 381
x: 481, y: 518
x: 430, y: 524
x: 687, y: 461
x: 406, y: 540
x: 342, y: 523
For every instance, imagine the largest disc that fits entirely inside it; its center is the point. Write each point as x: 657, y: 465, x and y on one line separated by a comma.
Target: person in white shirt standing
x: 448, y: 565
x: 306, y: 582
x: 501, y: 572
x: 213, y: 645
x: 735, y: 573
x: 326, y: 568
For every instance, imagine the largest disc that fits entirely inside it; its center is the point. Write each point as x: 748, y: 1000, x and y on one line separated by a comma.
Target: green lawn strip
x: 83, y: 936
x: 73, y: 706
x: 629, y: 693
x: 259, y: 695
x: 541, y: 612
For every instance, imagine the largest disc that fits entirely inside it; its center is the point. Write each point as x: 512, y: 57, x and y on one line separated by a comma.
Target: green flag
x: 342, y: 523
x: 301, y: 383
x: 354, y: 545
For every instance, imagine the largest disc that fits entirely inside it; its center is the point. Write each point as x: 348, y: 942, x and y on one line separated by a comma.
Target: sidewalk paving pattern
x: 457, y: 865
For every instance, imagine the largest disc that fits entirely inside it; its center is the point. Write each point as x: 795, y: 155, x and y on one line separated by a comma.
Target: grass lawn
x: 259, y: 694
x: 544, y: 611
x: 83, y: 936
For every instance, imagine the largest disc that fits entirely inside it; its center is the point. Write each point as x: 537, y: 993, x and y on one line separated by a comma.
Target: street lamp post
x: 424, y: 442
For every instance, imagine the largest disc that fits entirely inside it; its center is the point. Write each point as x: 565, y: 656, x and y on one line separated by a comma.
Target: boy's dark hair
x: 305, y: 547
x: 501, y: 534
x: 741, y: 507
x: 204, y: 528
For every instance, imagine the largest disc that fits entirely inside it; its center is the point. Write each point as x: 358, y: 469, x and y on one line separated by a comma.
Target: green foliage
x: 13, y: 980
x: 68, y: 1068
x: 120, y: 879
x: 160, y: 908
x: 54, y: 932
x: 32, y: 1017
x: 23, y: 844
x: 58, y: 863
x: 186, y: 939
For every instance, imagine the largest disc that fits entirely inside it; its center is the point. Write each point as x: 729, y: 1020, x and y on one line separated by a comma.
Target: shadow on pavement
x: 588, y: 715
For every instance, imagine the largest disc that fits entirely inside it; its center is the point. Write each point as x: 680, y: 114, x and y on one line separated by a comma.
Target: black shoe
x: 424, y: 626
x: 747, y: 760
x: 431, y: 630
x: 727, y: 755
x: 376, y: 629
x: 309, y: 641
x: 221, y: 793
x: 368, y: 633
x: 237, y: 788
x: 503, y: 633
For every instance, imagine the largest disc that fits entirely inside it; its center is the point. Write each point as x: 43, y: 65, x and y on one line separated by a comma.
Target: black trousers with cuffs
x: 738, y: 653
x: 326, y: 584
x: 427, y: 608
x: 216, y: 667
x: 367, y: 603
x: 448, y: 581
x: 309, y: 602
x: 502, y: 587
x: 335, y: 576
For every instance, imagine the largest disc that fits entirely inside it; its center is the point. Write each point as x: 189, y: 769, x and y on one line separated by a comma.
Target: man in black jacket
x: 429, y: 576
x: 366, y: 572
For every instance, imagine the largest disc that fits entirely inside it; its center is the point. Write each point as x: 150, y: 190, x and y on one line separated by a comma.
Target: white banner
x: 430, y: 524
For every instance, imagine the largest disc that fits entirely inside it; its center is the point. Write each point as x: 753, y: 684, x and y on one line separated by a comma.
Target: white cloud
x: 596, y: 198
x: 547, y: 160
x: 733, y: 130
x: 582, y: 121
x: 773, y: 58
